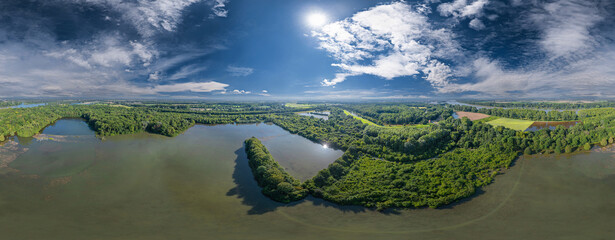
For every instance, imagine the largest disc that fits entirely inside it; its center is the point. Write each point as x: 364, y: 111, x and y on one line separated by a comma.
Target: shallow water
x: 198, y: 186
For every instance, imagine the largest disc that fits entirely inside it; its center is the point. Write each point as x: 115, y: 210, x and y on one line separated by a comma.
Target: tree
x: 527, y: 151
x: 603, y: 142
x: 587, y: 146
x: 568, y: 149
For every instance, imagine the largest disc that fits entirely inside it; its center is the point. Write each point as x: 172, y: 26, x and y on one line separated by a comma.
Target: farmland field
x: 472, y: 115
x: 515, y: 124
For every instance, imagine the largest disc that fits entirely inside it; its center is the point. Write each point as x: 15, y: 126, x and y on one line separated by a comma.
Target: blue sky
x: 270, y: 50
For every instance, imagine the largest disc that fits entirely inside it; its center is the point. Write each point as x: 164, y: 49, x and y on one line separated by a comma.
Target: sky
x: 307, y: 50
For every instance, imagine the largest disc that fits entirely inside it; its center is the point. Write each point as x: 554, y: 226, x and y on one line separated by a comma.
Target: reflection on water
x: 198, y: 186
x: 322, y: 115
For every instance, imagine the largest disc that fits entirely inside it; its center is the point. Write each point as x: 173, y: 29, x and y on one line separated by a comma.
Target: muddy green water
x: 70, y: 185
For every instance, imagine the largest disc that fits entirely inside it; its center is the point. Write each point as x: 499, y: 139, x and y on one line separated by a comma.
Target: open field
x: 299, y: 105
x: 363, y: 120
x: 471, y: 115
x: 515, y: 124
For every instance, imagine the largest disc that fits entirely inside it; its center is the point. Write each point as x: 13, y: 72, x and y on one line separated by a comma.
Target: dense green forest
x: 519, y: 113
x: 400, y: 114
x: 275, y: 181
x: 544, y: 105
x: 402, y: 166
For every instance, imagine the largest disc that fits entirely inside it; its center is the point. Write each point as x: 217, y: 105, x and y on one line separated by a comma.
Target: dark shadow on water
x: 248, y: 190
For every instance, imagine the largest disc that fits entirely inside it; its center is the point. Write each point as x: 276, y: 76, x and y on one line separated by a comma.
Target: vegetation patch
x: 299, y: 105
x: 516, y: 124
x: 277, y: 184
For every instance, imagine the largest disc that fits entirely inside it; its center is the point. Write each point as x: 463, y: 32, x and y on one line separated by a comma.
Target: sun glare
x: 316, y: 19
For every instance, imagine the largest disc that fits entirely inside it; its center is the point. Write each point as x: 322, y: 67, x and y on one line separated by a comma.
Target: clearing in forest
x: 472, y: 115
x: 515, y: 124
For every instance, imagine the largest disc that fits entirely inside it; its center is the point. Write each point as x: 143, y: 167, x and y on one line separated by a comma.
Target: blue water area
x: 23, y: 105
x: 69, y: 127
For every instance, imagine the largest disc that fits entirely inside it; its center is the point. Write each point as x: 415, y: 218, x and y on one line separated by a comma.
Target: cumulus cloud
x: 388, y: 41
x: 477, y: 24
x: 566, y: 26
x: 239, y: 71
x: 578, y: 61
x: 461, y: 9
x: 96, y: 59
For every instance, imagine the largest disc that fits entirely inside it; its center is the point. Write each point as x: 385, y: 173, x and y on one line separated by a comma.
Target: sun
x: 316, y: 19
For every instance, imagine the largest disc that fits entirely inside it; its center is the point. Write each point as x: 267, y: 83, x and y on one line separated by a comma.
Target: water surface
x: 198, y: 186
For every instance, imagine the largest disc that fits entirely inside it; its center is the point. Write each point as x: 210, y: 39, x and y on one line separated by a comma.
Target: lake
x: 67, y: 184
x: 321, y: 115
x: 26, y: 105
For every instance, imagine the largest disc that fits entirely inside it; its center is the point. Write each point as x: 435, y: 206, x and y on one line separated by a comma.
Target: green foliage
x: 275, y: 181
x: 527, y: 151
x: 399, y: 114
x: 587, y: 146
x: 568, y: 149
x: 435, y: 182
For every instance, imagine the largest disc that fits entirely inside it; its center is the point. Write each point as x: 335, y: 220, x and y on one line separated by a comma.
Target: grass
x: 368, y: 122
x: 484, y: 120
x: 299, y: 105
x: 363, y: 120
x: 515, y: 124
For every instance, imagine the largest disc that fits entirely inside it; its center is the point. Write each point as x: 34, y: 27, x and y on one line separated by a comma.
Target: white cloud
x: 477, y: 24
x: 152, y: 16
x: 593, y: 76
x: 388, y: 41
x: 566, y: 26
x: 239, y: 71
x: 192, y: 87
x: 265, y: 91
x: 154, y: 77
x: 105, y: 51
x: 187, y: 71
x: 219, y: 8
x: 462, y: 8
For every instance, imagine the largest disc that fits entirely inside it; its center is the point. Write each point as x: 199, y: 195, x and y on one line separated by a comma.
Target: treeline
x: 277, y: 184
x: 544, y: 105
x: 108, y: 120
x: 4, y: 104
x: 400, y: 114
x: 525, y: 114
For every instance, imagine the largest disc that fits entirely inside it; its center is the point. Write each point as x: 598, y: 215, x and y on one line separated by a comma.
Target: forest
x: 275, y: 181
x: 382, y: 166
x: 571, y: 105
